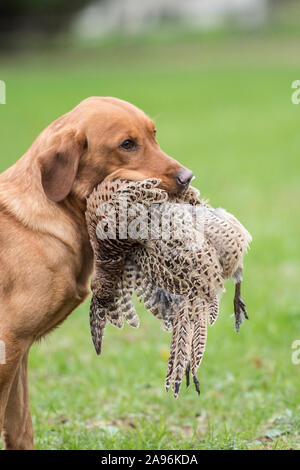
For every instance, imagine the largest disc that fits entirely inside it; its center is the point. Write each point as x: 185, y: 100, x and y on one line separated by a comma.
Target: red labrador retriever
x: 45, y: 254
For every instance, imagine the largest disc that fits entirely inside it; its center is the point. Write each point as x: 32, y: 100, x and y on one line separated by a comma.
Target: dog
x: 45, y: 252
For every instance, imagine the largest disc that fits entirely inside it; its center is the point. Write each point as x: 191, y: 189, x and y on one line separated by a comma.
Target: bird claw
x: 187, y: 374
x: 165, y: 300
x: 240, y: 312
x: 197, y: 384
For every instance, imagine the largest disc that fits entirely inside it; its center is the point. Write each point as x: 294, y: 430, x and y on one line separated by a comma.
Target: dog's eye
x: 155, y: 132
x: 128, y: 144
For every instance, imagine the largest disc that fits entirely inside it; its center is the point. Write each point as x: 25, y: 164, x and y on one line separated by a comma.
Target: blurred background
x: 216, y: 76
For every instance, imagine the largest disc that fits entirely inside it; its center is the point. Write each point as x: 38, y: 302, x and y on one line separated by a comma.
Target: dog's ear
x: 59, y: 165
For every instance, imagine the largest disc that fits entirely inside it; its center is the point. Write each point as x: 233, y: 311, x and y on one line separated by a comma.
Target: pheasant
x: 180, y: 276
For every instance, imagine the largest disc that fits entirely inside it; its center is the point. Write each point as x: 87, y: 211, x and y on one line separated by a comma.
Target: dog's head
x: 104, y: 137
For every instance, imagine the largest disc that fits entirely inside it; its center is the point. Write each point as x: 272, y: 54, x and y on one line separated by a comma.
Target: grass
x: 223, y: 108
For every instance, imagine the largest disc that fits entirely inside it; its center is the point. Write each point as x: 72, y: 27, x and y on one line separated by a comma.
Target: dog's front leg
x: 18, y: 431
x: 11, y: 369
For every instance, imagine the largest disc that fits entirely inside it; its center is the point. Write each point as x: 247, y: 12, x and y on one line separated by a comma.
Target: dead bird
x: 180, y: 279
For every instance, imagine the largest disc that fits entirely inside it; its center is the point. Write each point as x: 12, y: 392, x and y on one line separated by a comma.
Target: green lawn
x: 223, y: 108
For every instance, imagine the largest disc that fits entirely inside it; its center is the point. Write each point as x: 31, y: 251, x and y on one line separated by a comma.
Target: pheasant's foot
x: 197, y: 384
x: 164, y: 300
x: 187, y: 374
x: 240, y: 311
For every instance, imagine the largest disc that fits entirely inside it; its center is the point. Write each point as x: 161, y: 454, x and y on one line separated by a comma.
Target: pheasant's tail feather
x: 180, y: 350
x: 199, y: 335
x: 172, y: 354
x: 213, y: 310
x: 97, y: 324
x: 182, y: 356
x: 129, y: 311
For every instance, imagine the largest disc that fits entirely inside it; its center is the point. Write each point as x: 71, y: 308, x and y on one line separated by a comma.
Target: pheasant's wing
x: 139, y: 286
x: 150, y: 275
x: 114, y: 310
x: 145, y: 192
x: 109, y: 252
x: 181, y: 267
x: 178, y: 272
x: 127, y: 289
x: 153, y: 273
x: 101, y: 204
x: 246, y: 237
x: 162, y: 265
x: 104, y: 218
x: 146, y: 289
x: 228, y: 236
x: 111, y: 309
x: 162, y: 304
x: 200, y: 271
x: 109, y: 257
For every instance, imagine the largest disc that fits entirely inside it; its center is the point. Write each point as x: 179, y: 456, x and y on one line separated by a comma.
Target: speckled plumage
x: 180, y: 279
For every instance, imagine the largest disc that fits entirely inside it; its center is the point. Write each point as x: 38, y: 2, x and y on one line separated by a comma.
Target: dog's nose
x: 184, y: 177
